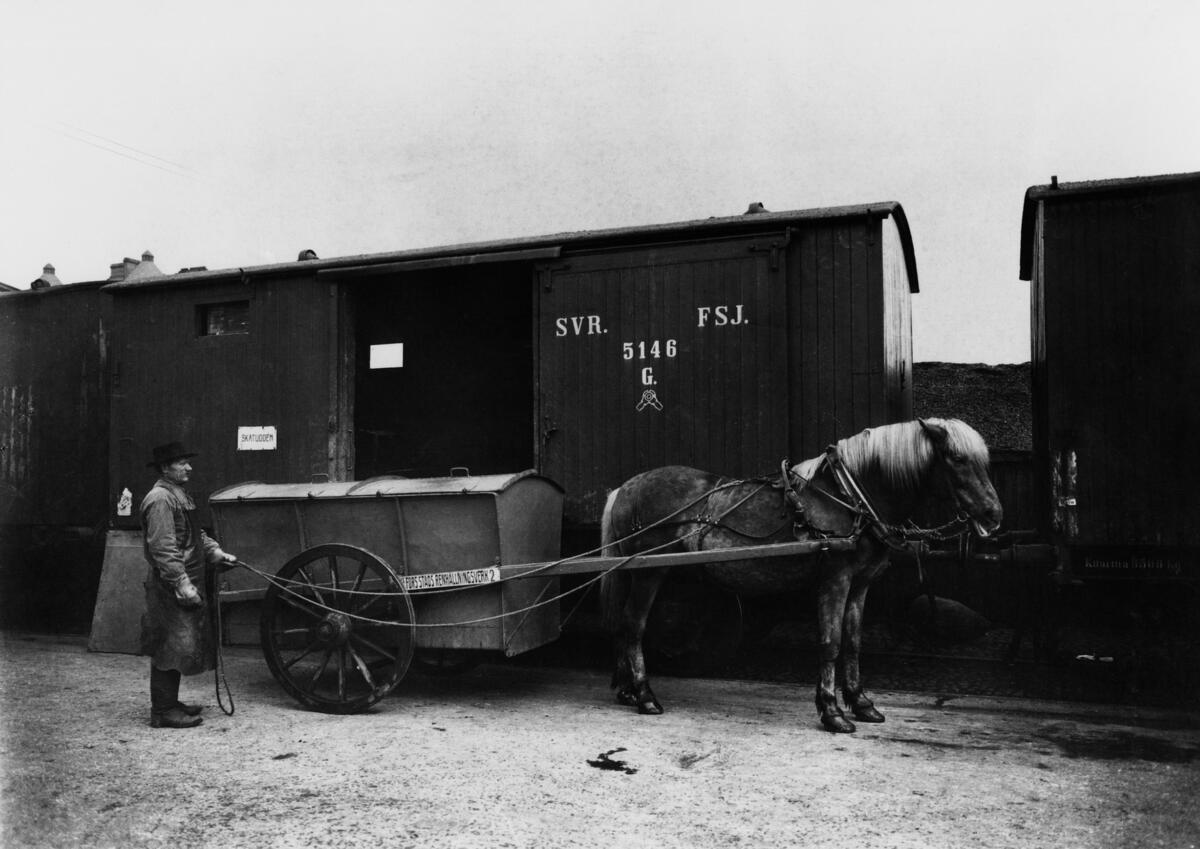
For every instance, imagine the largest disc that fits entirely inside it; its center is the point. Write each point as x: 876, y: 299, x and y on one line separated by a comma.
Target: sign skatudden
x: 438, y: 580
x: 256, y: 439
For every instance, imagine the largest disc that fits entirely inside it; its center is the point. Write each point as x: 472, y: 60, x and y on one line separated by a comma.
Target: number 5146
x: 653, y: 350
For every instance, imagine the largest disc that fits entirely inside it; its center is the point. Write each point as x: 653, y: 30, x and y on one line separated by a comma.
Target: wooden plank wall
x: 837, y: 334
x: 1012, y: 476
x: 53, y: 407
x: 1038, y: 380
x: 175, y: 384
x: 722, y: 387
x: 1122, y: 304
x: 897, y: 323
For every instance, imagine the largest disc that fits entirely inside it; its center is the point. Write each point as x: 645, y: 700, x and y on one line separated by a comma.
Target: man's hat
x: 169, y: 453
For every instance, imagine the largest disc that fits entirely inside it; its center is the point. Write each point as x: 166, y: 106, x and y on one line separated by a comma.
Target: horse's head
x: 962, y: 456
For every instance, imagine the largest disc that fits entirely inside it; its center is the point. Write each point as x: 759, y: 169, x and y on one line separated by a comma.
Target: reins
x: 212, y: 583
x: 895, y: 536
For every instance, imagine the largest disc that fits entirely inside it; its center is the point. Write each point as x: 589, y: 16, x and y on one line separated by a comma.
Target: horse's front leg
x: 852, y: 689
x: 831, y: 606
x: 633, y: 685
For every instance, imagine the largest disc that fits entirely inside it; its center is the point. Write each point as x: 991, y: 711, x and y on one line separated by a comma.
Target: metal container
x: 439, y: 533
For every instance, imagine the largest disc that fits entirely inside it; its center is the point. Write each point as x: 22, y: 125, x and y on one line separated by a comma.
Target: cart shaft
x: 591, y: 565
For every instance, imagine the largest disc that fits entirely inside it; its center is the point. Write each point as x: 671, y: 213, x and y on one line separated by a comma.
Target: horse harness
x: 855, y: 499
x: 852, y: 497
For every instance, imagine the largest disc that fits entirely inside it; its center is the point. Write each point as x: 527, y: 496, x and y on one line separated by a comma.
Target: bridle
x: 898, y: 537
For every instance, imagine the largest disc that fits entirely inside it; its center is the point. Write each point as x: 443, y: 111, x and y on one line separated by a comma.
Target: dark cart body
x: 435, y: 533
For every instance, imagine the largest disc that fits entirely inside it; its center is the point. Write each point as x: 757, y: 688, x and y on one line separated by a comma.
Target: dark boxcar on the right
x: 1114, y: 267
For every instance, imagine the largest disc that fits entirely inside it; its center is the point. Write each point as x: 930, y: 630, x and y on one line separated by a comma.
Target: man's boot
x: 165, y: 709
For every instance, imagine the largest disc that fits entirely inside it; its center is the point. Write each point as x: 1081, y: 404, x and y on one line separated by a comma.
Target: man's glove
x: 225, y: 561
x: 186, y: 594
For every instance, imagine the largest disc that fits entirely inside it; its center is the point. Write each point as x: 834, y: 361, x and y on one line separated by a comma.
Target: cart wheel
x: 337, y: 628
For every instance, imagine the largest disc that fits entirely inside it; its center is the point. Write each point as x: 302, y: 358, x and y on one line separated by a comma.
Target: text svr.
x: 591, y: 325
x: 718, y: 315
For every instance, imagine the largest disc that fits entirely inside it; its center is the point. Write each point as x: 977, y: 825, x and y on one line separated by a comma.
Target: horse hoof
x: 650, y: 708
x: 627, y: 698
x: 837, y: 723
x: 867, y: 713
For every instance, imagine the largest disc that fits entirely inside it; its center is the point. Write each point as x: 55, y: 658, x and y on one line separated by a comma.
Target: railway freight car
x: 727, y: 343
x: 1114, y: 267
x: 53, y: 444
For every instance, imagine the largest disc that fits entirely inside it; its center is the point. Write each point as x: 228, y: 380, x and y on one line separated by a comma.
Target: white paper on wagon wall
x: 256, y: 438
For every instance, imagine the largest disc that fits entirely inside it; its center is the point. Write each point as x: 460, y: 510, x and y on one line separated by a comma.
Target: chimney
x: 755, y: 208
x: 119, y: 271
x: 47, y: 279
x: 144, y: 269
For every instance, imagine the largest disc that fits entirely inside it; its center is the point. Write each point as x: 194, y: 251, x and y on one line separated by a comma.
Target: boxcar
x: 1114, y: 267
x: 726, y: 343
x: 53, y: 444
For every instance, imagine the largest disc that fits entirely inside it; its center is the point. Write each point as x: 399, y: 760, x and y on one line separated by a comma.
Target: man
x: 176, y: 630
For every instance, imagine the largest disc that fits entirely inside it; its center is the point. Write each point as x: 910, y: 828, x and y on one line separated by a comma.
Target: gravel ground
x: 532, y: 756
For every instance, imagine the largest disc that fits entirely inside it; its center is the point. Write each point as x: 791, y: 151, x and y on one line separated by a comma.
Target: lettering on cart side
x: 718, y: 316
x: 578, y: 325
x: 648, y: 377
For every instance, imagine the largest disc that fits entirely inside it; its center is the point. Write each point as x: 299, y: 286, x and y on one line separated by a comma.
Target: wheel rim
x: 337, y: 628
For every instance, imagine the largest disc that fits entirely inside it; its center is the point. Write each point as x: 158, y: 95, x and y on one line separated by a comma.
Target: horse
x: 862, y: 490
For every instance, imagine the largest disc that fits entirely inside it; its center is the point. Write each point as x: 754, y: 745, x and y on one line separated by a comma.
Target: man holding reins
x: 177, y: 627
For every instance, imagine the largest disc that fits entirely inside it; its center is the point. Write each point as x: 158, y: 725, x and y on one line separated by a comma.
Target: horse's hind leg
x: 630, y: 679
x: 831, y: 607
x: 852, y: 689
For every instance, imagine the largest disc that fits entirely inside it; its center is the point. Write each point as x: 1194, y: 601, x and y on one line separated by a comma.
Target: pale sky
x: 231, y: 134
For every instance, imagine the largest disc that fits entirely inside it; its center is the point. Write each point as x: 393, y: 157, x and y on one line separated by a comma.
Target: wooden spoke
x: 371, y: 602
x: 316, y: 675
x: 362, y: 667
x: 289, y: 599
x: 312, y: 641
x: 333, y: 574
x: 308, y: 578
x: 290, y: 632
x: 375, y: 647
x: 305, y: 653
x: 362, y: 573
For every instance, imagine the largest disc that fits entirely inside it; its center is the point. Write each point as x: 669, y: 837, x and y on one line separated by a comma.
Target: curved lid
x: 373, y: 488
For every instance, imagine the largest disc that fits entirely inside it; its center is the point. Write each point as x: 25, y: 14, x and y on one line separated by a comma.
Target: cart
x: 377, y: 571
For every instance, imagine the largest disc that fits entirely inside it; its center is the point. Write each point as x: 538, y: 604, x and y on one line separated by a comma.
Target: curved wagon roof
x: 554, y: 245
x: 1056, y: 190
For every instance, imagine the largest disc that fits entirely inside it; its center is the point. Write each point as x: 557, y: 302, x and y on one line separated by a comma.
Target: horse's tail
x: 614, y: 585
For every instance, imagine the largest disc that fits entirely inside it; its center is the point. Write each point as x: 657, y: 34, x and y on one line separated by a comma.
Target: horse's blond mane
x: 902, y: 452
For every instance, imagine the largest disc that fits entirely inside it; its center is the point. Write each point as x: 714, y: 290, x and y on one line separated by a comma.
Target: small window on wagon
x: 224, y: 319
